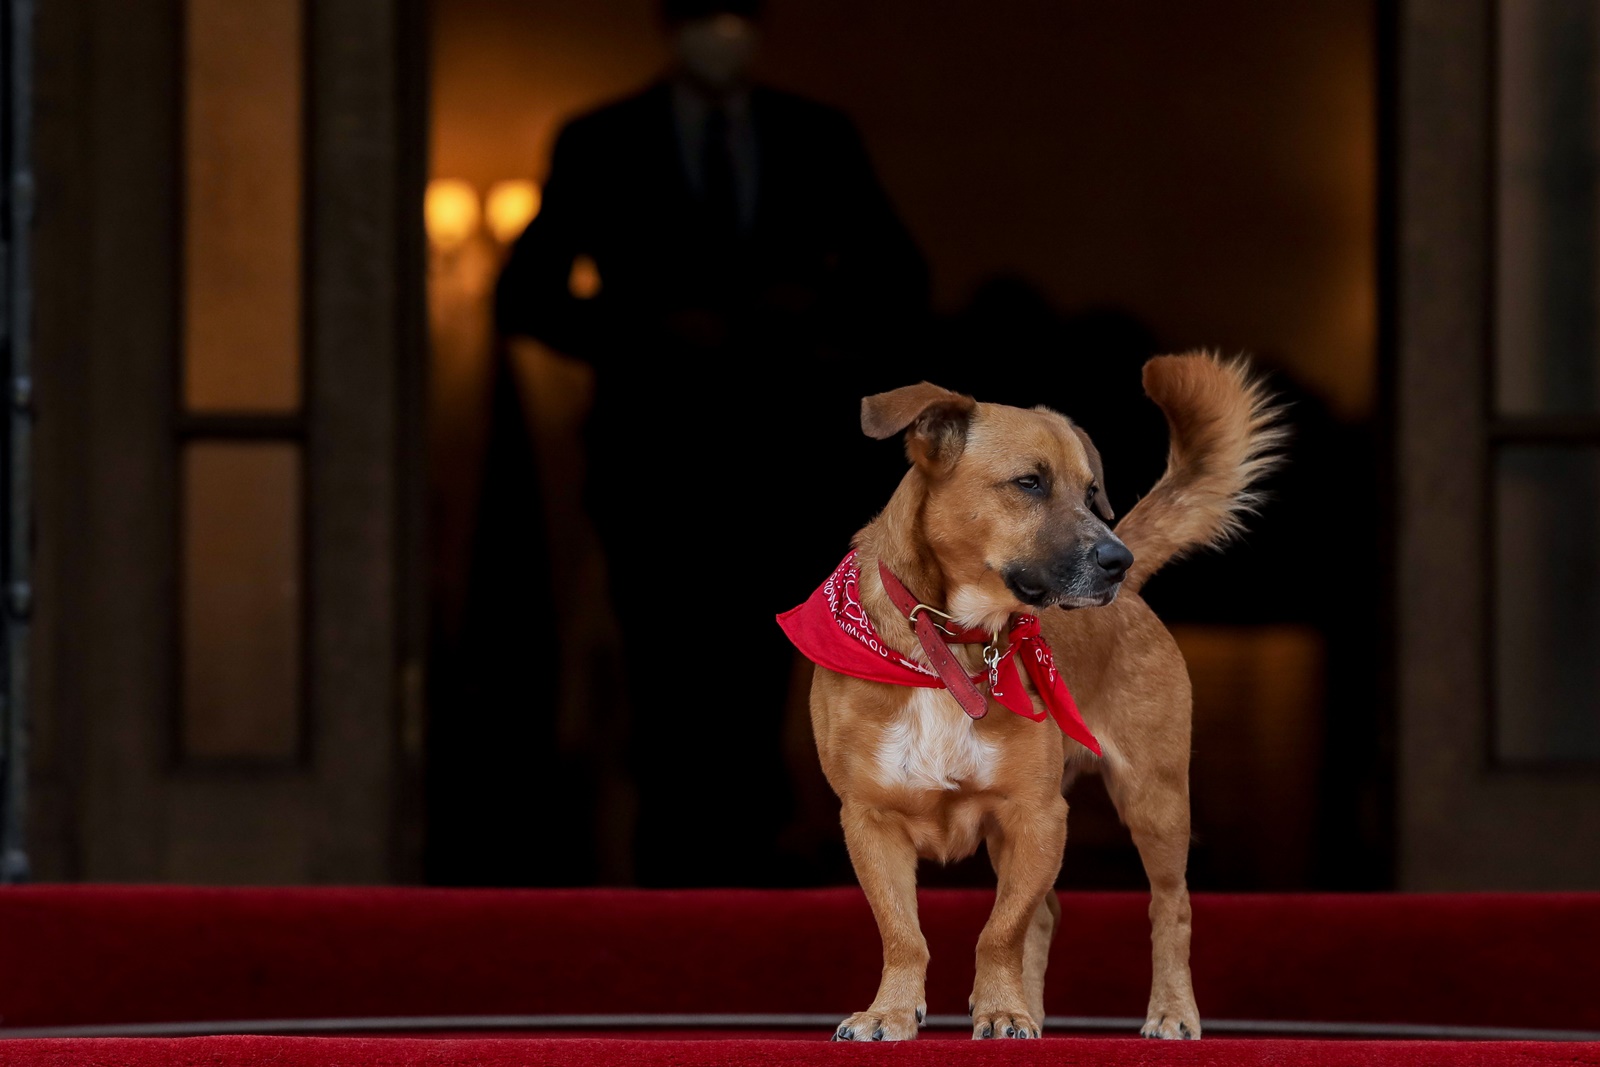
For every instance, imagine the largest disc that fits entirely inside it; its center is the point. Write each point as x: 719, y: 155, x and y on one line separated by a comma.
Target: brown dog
x: 1001, y: 514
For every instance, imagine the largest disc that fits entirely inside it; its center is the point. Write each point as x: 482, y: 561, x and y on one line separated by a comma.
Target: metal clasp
x: 991, y: 658
x: 911, y: 617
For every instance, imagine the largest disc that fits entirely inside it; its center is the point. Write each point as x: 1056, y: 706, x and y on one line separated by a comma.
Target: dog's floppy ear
x: 935, y: 417
x: 1102, y: 503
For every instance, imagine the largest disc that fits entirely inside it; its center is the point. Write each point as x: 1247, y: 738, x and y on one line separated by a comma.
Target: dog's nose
x: 1113, y: 557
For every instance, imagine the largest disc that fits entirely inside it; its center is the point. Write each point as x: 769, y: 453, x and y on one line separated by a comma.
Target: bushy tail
x: 1225, y: 436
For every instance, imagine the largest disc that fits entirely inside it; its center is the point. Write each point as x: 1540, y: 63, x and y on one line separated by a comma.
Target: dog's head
x: 1014, y: 501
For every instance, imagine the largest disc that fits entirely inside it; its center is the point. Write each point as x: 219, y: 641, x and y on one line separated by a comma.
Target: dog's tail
x: 1225, y: 437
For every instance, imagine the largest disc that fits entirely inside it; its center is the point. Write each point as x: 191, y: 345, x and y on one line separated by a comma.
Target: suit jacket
x: 824, y: 275
x: 825, y: 255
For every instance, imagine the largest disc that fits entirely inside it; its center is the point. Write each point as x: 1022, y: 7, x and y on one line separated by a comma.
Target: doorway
x: 1093, y: 190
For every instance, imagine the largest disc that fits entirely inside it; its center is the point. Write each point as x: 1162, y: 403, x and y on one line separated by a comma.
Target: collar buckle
x: 911, y: 617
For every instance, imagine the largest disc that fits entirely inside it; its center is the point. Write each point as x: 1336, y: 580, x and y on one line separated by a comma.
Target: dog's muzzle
x: 1086, y: 576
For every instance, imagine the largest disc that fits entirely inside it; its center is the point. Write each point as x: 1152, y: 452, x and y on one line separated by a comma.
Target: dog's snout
x: 1113, y: 558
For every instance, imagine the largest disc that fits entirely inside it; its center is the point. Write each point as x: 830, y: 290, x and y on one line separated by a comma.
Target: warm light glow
x: 509, y: 207
x: 584, y: 280
x: 452, y: 212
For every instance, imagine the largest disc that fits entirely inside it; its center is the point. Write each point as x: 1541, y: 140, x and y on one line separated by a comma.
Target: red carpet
x: 97, y: 955
x: 1084, y: 1052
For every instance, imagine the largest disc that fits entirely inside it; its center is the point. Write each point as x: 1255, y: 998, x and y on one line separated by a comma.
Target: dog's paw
x: 1016, y: 1023
x: 873, y: 1025
x: 1176, y: 1026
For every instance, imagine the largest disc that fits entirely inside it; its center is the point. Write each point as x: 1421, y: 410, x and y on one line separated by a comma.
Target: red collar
x: 936, y: 639
x: 833, y: 630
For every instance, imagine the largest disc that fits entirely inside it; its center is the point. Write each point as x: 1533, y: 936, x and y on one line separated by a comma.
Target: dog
x: 1001, y: 518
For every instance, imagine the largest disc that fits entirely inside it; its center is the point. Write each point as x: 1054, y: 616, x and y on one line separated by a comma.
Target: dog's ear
x: 1102, y: 503
x: 936, y: 420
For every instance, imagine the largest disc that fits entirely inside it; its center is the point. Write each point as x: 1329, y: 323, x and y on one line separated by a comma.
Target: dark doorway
x: 1100, y: 185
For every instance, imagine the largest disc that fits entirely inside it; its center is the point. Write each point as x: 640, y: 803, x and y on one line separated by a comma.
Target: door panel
x: 258, y: 472
x: 1469, y: 817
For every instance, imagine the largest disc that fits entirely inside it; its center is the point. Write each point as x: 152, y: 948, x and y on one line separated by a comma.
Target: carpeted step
x: 117, y: 954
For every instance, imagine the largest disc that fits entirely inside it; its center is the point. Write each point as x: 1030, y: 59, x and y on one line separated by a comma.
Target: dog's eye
x: 1029, y: 483
x: 1088, y: 497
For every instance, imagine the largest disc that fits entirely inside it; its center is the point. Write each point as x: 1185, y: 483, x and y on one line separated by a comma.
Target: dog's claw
x: 1169, y: 1028
x: 892, y: 1025
x: 922, y: 1014
x: 1013, y: 1024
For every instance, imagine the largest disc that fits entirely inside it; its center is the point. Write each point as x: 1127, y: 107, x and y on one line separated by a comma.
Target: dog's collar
x: 1025, y: 639
x: 911, y: 607
x: 936, y: 639
x: 835, y: 631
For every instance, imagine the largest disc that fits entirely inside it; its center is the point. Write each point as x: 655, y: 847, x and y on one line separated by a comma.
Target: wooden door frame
x: 1463, y: 822
x: 105, y: 789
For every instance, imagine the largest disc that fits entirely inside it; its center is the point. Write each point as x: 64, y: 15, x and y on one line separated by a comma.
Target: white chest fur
x: 934, y: 745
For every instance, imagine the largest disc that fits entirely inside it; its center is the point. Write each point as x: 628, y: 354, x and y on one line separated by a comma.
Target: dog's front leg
x: 886, y: 865
x: 1026, y: 852
x: 1159, y: 820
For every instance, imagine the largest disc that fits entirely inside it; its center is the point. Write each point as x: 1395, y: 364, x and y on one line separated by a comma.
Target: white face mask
x: 717, y: 51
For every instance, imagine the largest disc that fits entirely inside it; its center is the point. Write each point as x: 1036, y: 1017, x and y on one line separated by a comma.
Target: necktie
x: 719, y: 188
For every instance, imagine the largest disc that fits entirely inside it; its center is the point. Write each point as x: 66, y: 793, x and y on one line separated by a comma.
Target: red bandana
x: 833, y: 630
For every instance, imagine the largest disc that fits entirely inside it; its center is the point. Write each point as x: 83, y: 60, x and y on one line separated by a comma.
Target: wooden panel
x: 63, y: 444
x: 122, y: 589
x: 242, y: 601
x: 242, y: 208
x: 1547, y: 262
x: 1547, y: 605
x: 113, y: 803
x: 367, y: 200
x: 1462, y: 824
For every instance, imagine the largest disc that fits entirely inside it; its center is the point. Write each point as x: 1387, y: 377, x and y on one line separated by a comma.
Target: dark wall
x: 1209, y: 166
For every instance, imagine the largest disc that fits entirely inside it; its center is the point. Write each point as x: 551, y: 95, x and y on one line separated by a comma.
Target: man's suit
x: 732, y: 340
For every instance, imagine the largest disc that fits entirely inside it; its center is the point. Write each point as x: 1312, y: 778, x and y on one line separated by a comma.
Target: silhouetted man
x: 718, y: 251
